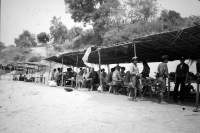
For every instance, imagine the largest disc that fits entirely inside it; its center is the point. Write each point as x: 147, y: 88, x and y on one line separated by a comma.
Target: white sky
x: 35, y: 15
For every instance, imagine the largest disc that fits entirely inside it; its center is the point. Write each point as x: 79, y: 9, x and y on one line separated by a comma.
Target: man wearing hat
x: 134, y: 78
x: 181, y: 77
x: 161, y: 78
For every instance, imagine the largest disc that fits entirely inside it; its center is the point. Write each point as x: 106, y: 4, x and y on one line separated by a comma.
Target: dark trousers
x: 179, y: 80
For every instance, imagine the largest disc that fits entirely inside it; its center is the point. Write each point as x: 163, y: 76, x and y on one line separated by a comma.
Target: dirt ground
x: 36, y: 108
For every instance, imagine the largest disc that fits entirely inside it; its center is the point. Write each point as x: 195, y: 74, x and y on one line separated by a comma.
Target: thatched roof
x: 69, y: 59
x: 185, y: 42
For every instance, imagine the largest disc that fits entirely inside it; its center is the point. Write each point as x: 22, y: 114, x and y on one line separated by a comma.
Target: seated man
x: 21, y: 78
x: 116, y: 80
x: 85, y: 79
x: 69, y: 75
x: 122, y: 72
x: 103, y: 73
x: 108, y: 79
x: 94, y: 78
x: 189, y: 88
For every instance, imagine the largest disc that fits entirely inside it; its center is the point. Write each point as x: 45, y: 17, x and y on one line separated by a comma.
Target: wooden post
x: 1, y: 72
x: 100, y: 77
x: 168, y: 95
x: 108, y: 67
x: 62, y: 72
x: 197, y: 94
x: 10, y: 72
x: 49, y: 71
x: 4, y: 72
x: 76, y: 71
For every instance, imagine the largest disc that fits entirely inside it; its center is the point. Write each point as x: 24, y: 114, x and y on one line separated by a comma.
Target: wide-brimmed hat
x: 134, y: 58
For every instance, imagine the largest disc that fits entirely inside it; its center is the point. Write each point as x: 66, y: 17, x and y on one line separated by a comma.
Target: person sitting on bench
x: 21, y: 78
x: 116, y: 80
x: 108, y: 79
x: 85, y: 79
x: 94, y: 78
x: 122, y: 72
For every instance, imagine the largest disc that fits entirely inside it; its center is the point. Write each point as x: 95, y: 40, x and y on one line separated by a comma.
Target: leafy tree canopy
x: 34, y: 59
x: 26, y: 39
x: 142, y: 10
x: 58, y: 31
x: 43, y: 37
x: 2, y: 46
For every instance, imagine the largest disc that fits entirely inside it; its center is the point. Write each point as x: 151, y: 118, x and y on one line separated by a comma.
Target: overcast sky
x: 35, y: 15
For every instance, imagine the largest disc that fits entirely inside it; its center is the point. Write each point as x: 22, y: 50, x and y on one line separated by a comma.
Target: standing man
x: 134, y: 78
x: 181, y: 77
x: 161, y: 78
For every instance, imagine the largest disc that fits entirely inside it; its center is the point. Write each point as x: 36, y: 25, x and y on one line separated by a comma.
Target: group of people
x: 56, y: 75
x: 132, y: 80
x: 117, y: 78
x: 21, y: 77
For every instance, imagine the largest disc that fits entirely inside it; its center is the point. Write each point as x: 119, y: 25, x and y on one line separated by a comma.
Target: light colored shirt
x: 56, y: 74
x: 116, y: 75
x: 163, y: 69
x: 134, y: 70
x: 86, y: 75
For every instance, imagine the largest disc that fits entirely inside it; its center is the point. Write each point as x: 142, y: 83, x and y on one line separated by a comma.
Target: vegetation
x: 2, y: 46
x: 43, y: 38
x: 112, y: 22
x: 26, y: 39
x: 35, y: 59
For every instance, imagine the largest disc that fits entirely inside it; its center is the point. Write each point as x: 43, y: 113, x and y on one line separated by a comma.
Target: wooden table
x: 189, y: 81
x: 72, y: 81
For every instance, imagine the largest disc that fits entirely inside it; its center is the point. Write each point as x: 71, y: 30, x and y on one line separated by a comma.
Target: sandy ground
x: 35, y: 108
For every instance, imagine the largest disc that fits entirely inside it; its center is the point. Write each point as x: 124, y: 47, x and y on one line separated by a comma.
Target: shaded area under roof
x: 185, y: 42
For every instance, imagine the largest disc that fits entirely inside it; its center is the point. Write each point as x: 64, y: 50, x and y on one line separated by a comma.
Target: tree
x: 43, y: 37
x: 26, y: 39
x: 15, y: 53
x: 142, y: 10
x: 12, y: 45
x: 58, y: 31
x: 95, y: 12
x: 2, y: 46
x: 74, y: 32
x: 34, y: 59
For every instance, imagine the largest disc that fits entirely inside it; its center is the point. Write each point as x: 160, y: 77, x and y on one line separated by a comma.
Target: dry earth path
x: 35, y: 108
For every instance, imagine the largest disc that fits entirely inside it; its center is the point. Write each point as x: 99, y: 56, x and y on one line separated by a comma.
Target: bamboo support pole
x: 49, y: 71
x: 108, y: 67
x: 76, y: 71
x: 62, y: 72
x: 100, y: 77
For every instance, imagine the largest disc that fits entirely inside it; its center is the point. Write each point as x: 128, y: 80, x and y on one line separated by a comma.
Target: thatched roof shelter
x: 69, y: 59
x: 184, y: 42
